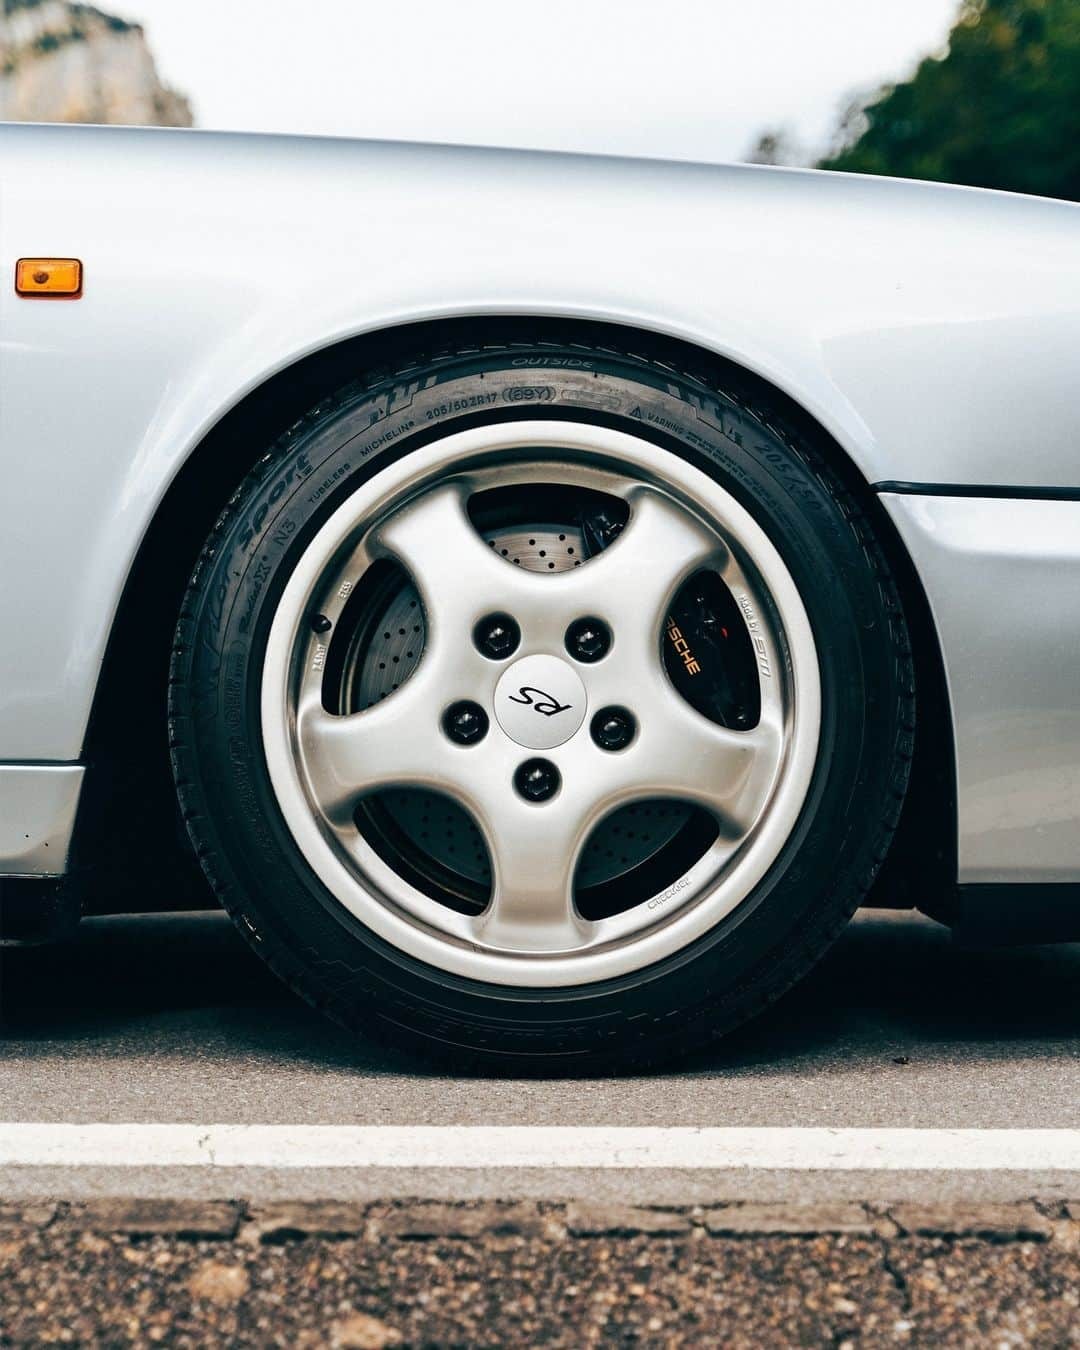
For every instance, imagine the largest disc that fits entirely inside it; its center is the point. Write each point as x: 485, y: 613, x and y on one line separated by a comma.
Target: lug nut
x: 537, y: 780
x: 497, y: 636
x: 613, y: 728
x: 588, y: 639
x: 465, y: 722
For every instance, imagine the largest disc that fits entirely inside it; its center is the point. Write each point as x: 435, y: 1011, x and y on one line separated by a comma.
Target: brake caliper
x: 708, y: 656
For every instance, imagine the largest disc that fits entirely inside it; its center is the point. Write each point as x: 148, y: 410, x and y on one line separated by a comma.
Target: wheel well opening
x: 129, y: 827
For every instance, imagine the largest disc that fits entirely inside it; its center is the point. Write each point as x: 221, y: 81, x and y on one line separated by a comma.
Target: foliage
x: 776, y: 145
x: 1001, y: 107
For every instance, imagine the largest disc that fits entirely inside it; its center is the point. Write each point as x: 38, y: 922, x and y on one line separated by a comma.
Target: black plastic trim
x: 1036, y: 494
x: 1016, y: 914
x: 35, y: 910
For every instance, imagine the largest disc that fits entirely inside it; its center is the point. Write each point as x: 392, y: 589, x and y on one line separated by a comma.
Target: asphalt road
x: 171, y: 1019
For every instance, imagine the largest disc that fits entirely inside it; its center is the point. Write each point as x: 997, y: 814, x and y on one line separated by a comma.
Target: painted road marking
x: 486, y: 1147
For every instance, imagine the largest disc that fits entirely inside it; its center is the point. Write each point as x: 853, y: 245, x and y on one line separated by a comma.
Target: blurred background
x: 985, y: 92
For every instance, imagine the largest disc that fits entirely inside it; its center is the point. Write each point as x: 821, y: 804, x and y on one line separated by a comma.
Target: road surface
x: 166, y: 1062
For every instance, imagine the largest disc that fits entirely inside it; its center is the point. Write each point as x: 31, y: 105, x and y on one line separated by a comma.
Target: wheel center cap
x: 540, y: 702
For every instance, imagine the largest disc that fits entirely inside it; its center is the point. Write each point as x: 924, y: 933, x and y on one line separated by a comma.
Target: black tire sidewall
x: 248, y: 851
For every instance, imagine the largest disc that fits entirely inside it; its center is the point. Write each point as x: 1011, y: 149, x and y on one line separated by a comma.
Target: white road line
x: 484, y: 1147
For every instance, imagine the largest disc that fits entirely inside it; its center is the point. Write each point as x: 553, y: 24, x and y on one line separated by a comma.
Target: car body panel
x: 38, y: 805
x: 1003, y: 581
x: 931, y: 331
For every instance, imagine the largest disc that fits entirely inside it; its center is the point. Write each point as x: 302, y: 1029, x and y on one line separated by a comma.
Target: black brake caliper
x: 708, y: 655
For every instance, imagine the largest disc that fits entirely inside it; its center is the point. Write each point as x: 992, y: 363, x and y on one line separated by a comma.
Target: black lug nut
x: 465, y: 722
x: 588, y: 639
x: 497, y: 636
x: 537, y: 780
x: 613, y: 728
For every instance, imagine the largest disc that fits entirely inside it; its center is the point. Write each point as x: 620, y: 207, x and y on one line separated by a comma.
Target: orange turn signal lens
x: 60, y: 277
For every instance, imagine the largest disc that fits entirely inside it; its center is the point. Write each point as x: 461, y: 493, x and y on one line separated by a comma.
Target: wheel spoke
x: 534, y: 852
x: 387, y: 745
x: 729, y: 773
x: 457, y: 575
x: 681, y: 754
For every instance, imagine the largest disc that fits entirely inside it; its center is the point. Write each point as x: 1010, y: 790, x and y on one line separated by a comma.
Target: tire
x: 518, y: 1003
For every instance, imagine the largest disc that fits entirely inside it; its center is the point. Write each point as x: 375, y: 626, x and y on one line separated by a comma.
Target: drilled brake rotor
x: 434, y: 827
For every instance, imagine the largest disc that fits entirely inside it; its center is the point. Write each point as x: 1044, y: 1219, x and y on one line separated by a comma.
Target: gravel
x: 335, y: 1275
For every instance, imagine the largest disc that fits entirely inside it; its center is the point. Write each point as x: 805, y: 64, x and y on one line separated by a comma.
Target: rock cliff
x: 63, y: 62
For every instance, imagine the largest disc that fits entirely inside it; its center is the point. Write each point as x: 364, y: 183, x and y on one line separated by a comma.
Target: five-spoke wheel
x: 527, y: 682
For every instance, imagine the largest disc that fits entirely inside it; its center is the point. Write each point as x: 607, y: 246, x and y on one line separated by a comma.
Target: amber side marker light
x: 51, y: 278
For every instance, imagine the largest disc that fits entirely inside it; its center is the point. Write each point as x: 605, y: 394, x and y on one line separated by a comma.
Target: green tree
x: 1001, y: 107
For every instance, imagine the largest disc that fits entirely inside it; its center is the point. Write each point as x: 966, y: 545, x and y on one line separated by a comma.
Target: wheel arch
x: 128, y: 824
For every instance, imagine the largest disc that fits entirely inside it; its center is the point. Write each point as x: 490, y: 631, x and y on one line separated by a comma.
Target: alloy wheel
x: 540, y: 703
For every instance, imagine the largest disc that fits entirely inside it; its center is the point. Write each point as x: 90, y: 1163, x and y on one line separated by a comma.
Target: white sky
x: 684, y: 78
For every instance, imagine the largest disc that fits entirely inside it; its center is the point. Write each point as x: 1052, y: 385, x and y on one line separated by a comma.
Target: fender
x: 899, y: 316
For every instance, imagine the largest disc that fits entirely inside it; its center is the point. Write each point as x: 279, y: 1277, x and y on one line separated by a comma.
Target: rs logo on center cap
x: 544, y: 685
x: 543, y: 703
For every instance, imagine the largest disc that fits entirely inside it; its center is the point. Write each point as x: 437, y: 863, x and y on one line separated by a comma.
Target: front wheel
x: 541, y: 702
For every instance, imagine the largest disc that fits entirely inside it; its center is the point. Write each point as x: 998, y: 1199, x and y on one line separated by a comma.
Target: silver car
x: 542, y: 595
